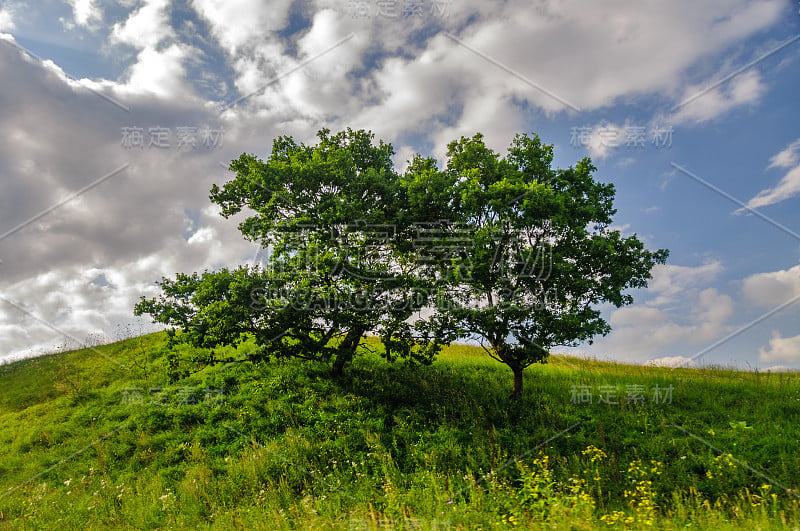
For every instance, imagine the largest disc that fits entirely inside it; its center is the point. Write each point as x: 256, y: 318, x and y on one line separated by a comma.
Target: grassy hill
x: 100, y: 438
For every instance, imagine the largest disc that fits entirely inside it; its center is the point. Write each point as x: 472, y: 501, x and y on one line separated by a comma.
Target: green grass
x: 88, y: 443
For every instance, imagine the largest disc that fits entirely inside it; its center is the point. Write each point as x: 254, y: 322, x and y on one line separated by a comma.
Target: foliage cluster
x: 508, y: 251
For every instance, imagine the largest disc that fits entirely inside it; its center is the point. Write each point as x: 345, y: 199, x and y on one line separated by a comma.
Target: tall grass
x: 283, y: 445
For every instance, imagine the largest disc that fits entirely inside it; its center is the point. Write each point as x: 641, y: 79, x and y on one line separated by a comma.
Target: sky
x: 118, y: 118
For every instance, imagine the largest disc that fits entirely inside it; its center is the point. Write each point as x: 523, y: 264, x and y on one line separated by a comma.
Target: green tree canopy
x: 506, y: 250
x: 334, y: 219
x: 529, y: 249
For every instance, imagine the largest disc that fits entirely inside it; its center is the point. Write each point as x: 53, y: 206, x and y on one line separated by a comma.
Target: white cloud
x: 679, y: 316
x: 85, y: 12
x: 402, y: 157
x: 160, y: 67
x: 670, y: 280
x: 772, y: 288
x: 635, y: 316
x: 562, y: 48
x: 7, y: 18
x: 129, y: 229
x: 146, y: 27
x: 494, y: 117
x: 402, y: 78
x: 672, y: 361
x: 745, y: 88
x: 777, y: 368
x: 683, y: 316
x: 241, y: 23
x: 710, y: 315
x: 624, y: 229
x: 389, y: 80
x: 604, y: 138
x: 414, y: 93
x: 70, y: 300
x: 321, y: 89
x: 789, y: 185
x: 781, y: 349
x: 788, y: 157
x: 606, y: 51
x: 159, y: 72
x: 82, y: 301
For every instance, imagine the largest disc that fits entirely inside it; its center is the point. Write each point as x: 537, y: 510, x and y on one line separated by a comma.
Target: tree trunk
x: 517, y: 391
x: 338, y: 364
x: 347, y: 349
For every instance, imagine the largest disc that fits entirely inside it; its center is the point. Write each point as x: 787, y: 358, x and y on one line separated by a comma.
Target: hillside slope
x: 101, y: 438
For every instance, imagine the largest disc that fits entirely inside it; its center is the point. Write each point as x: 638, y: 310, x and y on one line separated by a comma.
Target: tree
x: 334, y: 219
x: 526, y: 251
x: 507, y: 250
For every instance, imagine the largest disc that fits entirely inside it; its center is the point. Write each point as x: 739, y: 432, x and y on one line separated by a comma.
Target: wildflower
x: 594, y: 453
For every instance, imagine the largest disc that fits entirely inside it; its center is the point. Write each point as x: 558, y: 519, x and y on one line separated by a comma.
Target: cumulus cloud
x: 69, y: 303
x: 145, y: 27
x: 590, y: 67
x: 681, y: 315
x: 604, y: 138
x: 772, y: 288
x: 83, y: 264
x: 239, y: 24
x: 159, y: 72
x: 7, y: 18
x: 675, y: 313
x: 160, y: 66
x: 641, y: 331
x: 671, y: 280
x: 781, y: 349
x: 402, y: 76
x: 85, y: 12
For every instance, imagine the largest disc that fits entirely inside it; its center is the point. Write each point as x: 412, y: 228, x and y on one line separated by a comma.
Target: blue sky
x: 89, y: 219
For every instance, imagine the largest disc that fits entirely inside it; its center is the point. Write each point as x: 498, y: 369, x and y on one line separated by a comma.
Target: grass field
x: 100, y: 438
